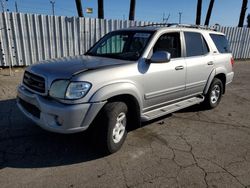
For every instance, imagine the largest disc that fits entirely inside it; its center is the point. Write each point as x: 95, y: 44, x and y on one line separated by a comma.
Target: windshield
x: 125, y: 45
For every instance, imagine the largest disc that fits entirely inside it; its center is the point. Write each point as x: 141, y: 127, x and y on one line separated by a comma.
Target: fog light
x: 59, y: 120
x: 22, y: 87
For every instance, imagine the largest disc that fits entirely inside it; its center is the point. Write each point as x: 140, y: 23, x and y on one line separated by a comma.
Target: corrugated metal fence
x: 239, y: 40
x: 28, y: 38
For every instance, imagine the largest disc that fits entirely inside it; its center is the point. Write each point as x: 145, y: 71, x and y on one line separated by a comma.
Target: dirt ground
x: 190, y: 148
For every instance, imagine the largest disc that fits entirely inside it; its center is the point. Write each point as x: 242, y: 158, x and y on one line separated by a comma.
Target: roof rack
x: 196, y: 26
x: 158, y: 24
x: 181, y: 25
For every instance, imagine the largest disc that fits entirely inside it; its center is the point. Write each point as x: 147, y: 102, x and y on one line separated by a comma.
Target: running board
x: 171, y: 108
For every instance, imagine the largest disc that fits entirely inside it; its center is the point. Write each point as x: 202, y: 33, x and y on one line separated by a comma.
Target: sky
x: 225, y: 12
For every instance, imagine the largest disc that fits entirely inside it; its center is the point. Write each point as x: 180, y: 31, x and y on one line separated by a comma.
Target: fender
x: 214, y: 72
x: 115, y: 89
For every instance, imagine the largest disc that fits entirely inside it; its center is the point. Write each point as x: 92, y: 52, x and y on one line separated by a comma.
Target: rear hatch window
x: 221, y: 43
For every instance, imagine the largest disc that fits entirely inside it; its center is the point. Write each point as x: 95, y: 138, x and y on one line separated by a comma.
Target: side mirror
x: 160, y: 57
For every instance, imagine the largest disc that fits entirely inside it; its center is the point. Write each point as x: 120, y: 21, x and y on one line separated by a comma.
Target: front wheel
x: 111, y: 126
x: 213, y: 97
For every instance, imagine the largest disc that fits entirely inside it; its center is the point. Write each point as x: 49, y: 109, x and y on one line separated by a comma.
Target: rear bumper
x: 54, y: 116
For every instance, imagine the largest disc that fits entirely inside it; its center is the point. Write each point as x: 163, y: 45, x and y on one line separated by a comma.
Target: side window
x: 169, y: 42
x: 221, y: 43
x: 195, y: 44
x: 205, y: 46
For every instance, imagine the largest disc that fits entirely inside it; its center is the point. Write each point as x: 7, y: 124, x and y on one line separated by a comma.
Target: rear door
x: 199, y: 63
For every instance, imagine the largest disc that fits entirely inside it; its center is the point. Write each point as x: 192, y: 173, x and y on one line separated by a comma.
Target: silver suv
x: 128, y: 76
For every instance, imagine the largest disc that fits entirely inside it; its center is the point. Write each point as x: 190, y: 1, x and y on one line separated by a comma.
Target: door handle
x: 179, y: 67
x: 210, y: 63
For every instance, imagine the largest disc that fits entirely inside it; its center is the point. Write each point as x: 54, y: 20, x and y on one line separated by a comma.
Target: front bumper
x: 54, y: 116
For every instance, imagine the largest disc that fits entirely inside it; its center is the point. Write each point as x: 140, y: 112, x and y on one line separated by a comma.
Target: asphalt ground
x: 190, y: 148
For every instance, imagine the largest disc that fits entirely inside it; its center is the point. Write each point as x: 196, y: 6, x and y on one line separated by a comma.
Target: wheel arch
x: 216, y: 73
x: 123, y: 92
x: 134, y: 110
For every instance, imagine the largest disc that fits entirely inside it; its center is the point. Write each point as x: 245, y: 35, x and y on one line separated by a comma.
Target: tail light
x: 232, y: 61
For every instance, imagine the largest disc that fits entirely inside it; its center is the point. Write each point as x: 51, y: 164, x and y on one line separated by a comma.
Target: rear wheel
x: 213, y: 97
x: 111, y: 127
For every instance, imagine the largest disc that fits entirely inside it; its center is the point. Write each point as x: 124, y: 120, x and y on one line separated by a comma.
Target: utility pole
x: 53, y: 7
x: 16, y: 6
x: 180, y: 13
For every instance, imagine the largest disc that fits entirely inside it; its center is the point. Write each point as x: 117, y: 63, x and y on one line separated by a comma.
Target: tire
x: 213, y: 97
x: 111, y: 127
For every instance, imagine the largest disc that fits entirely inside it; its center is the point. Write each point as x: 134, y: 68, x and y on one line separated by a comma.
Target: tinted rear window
x: 221, y: 43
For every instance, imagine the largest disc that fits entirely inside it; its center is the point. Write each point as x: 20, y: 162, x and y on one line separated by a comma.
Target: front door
x: 165, y: 82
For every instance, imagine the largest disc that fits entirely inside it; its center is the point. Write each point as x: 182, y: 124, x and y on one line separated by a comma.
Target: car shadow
x: 25, y: 145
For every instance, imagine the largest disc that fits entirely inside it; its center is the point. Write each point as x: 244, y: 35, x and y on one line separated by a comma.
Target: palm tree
x: 132, y: 10
x: 100, y: 9
x: 79, y: 8
x: 242, y: 13
x: 209, y: 11
x: 198, y: 12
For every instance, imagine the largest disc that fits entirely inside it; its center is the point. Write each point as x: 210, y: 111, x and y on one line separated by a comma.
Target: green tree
x: 198, y: 12
x: 242, y: 13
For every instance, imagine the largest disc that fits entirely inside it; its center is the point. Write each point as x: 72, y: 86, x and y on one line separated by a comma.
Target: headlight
x: 64, y: 89
x: 58, y: 89
x: 77, y: 90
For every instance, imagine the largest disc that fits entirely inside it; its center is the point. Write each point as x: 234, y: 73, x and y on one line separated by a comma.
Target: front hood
x: 65, y: 68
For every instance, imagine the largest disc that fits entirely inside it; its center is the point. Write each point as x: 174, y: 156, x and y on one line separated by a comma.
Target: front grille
x: 34, y: 82
x: 30, y: 108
